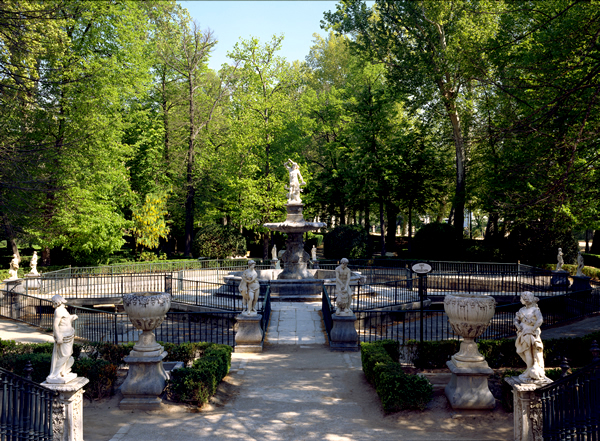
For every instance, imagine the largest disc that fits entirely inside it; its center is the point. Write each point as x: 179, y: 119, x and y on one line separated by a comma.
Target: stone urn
x: 146, y: 310
x: 469, y: 315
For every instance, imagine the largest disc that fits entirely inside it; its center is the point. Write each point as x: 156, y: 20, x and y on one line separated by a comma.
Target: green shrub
x: 591, y: 260
x: 399, y: 391
x: 102, y: 375
x: 185, y: 352
x: 219, y: 242
x: 16, y: 363
x: 349, y: 241
x: 109, y: 351
x: 197, y: 384
x: 433, y: 354
x: 371, y: 354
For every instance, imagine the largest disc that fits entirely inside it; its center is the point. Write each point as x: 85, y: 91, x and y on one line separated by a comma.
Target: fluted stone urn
x: 469, y: 315
x: 146, y: 378
x: 146, y: 311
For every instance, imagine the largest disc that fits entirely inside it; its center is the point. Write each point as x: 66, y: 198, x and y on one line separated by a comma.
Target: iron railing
x: 327, y: 310
x: 571, y: 406
x: 265, y: 311
x: 208, y: 294
x: 26, y: 409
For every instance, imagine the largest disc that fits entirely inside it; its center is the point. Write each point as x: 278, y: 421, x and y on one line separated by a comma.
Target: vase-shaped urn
x: 469, y: 315
x: 146, y: 310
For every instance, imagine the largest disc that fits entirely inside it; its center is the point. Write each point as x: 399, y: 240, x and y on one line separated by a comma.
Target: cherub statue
x: 296, y: 181
x: 342, y: 288
x: 13, y: 268
x: 560, y: 260
x: 64, y: 335
x: 529, y: 342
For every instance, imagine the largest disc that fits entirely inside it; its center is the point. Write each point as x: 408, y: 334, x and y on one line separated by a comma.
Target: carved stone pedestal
x: 343, y: 335
x: 468, y: 387
x: 249, y: 335
x: 67, y: 413
x: 145, y: 382
x: 581, y: 283
x: 528, y: 424
x: 560, y: 279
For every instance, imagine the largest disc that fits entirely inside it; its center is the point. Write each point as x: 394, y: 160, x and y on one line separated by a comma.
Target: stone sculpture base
x: 249, y: 335
x: 343, y: 335
x: 528, y: 424
x: 468, y: 387
x: 145, y: 383
x: 560, y: 279
x: 305, y: 290
x: 32, y: 281
x: 581, y: 283
x: 67, y: 412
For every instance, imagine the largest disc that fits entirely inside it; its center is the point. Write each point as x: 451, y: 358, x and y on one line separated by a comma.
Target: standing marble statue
x: 529, y: 343
x: 274, y: 252
x: 296, y: 181
x: 250, y: 289
x: 342, y: 288
x: 33, y: 264
x: 579, y: 265
x: 560, y: 260
x: 64, y: 334
x: 13, y: 268
x: 313, y: 253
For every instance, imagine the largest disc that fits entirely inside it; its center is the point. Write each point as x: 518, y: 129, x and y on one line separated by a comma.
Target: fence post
x: 422, y: 290
x: 169, y: 284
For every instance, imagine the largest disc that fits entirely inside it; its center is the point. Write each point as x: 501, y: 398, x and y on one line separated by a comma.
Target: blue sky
x: 230, y: 20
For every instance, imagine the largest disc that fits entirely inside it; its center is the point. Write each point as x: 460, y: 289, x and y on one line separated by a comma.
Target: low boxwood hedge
x: 396, y: 389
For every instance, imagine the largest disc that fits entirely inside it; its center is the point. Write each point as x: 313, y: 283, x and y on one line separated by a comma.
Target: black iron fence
x: 433, y: 324
x: 571, y: 406
x: 207, y: 294
x: 265, y: 311
x: 327, y: 310
x: 26, y: 409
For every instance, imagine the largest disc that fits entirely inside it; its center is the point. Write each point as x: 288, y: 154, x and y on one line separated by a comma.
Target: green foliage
x: 108, y: 351
x: 397, y: 390
x: 436, y: 240
x: 349, y: 241
x: 185, y: 352
x: 16, y: 363
x: 102, y: 375
x: 197, y: 384
x: 149, y: 223
x: 536, y: 243
x: 434, y: 354
x: 218, y: 242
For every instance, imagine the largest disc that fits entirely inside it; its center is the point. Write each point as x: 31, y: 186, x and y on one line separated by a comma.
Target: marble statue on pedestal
x: 313, y: 253
x: 274, y: 252
x: 33, y: 264
x: 579, y: 265
x: 250, y: 289
x: 560, y: 260
x: 296, y: 181
x: 13, y: 268
x: 342, y: 288
x: 64, y: 335
x: 529, y: 343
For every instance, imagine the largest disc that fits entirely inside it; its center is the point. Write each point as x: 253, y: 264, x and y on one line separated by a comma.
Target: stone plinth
x: 249, y: 335
x: 13, y: 305
x: 343, y: 335
x: 528, y: 424
x: 32, y: 281
x: 560, y: 279
x: 581, y: 283
x: 67, y: 412
x: 296, y: 290
x: 145, y: 382
x: 468, y: 387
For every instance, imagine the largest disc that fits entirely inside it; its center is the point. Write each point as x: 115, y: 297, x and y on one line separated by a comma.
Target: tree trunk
x: 410, y: 227
x: 392, y: 215
x: 265, y: 238
x: 10, y: 236
x: 368, y: 218
x: 382, y: 227
x: 595, y: 248
x: 189, y: 200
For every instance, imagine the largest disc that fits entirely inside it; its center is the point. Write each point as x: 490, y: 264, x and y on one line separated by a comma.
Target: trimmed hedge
x: 502, y: 353
x: 195, y: 385
x: 396, y: 389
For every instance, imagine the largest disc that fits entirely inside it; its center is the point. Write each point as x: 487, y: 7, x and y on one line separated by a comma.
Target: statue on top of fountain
x: 296, y: 180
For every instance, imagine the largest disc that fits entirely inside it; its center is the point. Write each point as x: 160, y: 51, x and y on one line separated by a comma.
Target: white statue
x: 33, y: 264
x: 64, y: 334
x: 529, y: 343
x: 14, y: 268
x: 274, y: 252
x: 296, y: 181
x: 579, y: 265
x: 561, y: 262
x: 250, y: 289
x: 313, y: 253
x: 342, y: 288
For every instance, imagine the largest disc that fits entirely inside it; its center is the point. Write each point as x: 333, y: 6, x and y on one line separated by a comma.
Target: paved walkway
x: 296, y: 323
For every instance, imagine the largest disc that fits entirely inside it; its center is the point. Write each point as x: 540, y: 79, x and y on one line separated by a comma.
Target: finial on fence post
x: 564, y: 366
x: 595, y: 350
x: 28, y: 370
